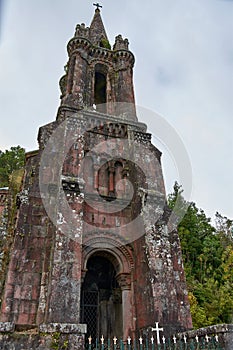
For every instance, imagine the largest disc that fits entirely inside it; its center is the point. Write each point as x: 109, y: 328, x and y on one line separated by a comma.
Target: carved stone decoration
x: 124, y: 280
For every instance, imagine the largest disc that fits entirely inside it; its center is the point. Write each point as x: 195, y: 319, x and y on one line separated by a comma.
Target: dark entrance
x: 101, y: 304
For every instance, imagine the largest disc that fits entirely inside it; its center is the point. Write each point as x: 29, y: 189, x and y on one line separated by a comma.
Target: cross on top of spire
x: 97, y: 31
x: 98, y: 6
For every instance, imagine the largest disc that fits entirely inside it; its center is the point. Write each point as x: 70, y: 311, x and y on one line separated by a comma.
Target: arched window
x: 100, y: 88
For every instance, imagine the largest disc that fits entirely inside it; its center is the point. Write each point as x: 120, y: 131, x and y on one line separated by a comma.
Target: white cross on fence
x: 157, y: 330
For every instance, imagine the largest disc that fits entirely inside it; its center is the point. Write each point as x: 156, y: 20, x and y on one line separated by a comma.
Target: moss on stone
x: 105, y: 43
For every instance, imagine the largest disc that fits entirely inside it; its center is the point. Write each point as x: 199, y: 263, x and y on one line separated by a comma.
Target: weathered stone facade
x: 4, y: 195
x: 92, y: 245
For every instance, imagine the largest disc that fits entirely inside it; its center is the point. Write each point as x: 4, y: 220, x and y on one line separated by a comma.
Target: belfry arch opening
x: 101, y: 299
x: 100, y: 88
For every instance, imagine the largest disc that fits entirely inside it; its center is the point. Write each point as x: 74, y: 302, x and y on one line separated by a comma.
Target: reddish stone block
x: 11, y: 277
x: 32, y: 319
x: 6, y: 307
x: 35, y: 292
x: 26, y: 292
x: 9, y: 291
x: 18, y: 291
x: 5, y: 317
x: 15, y: 306
x: 23, y: 319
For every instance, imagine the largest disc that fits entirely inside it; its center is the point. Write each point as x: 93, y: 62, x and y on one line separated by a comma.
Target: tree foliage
x: 10, y: 160
x: 208, y: 260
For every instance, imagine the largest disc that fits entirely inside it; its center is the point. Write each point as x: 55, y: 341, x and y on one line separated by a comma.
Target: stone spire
x: 97, y: 30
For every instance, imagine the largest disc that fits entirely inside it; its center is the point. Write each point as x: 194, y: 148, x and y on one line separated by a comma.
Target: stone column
x: 124, y: 281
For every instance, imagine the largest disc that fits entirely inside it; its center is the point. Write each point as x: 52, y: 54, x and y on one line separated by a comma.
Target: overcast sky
x: 183, y: 71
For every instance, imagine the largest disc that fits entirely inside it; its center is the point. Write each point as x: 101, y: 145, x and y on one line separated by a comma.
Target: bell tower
x: 97, y: 74
x: 93, y: 250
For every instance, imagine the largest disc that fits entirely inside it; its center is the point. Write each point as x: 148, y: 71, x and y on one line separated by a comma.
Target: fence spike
x: 129, y: 340
x: 102, y: 339
x: 163, y: 339
x: 140, y: 340
x: 152, y: 339
x: 89, y: 340
x: 216, y: 337
x: 174, y: 339
x: 207, y: 338
x: 115, y: 340
x: 185, y: 339
x: 197, y: 339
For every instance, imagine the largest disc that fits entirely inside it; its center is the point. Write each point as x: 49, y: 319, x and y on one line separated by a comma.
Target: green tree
x: 10, y: 160
x: 208, y: 261
x: 224, y: 227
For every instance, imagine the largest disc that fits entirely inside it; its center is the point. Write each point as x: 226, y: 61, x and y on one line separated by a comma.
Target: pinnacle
x: 97, y: 30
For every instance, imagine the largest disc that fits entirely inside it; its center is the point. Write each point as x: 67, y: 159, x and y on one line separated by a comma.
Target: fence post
x: 102, y: 342
x: 147, y: 343
x: 152, y: 343
x: 96, y: 344
x: 180, y: 344
x: 164, y: 342
x: 115, y: 342
x: 122, y: 345
x: 129, y: 342
x: 192, y: 347
x: 140, y: 343
x: 89, y: 343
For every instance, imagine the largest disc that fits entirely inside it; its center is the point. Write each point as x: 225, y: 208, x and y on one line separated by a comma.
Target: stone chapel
x: 93, y: 252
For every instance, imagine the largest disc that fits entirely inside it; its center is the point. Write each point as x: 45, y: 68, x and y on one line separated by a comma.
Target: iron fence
x: 203, y: 343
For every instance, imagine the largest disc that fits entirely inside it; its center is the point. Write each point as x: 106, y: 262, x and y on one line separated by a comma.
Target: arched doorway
x: 101, y: 299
